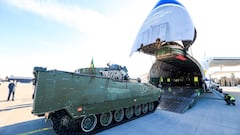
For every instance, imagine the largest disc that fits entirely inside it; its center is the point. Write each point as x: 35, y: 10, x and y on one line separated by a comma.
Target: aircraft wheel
x: 137, y: 110
x: 88, y: 123
x: 129, y: 112
x: 106, y: 118
x: 118, y: 115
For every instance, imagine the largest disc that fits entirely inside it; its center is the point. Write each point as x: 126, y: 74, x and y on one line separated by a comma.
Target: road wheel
x: 64, y: 121
x: 151, y: 106
x: 118, y: 115
x: 88, y: 123
x: 106, y: 118
x: 137, y: 110
x: 145, y: 108
x: 129, y: 112
x: 61, y: 121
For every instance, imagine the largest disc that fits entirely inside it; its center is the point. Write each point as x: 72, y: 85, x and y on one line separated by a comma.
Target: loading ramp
x: 178, y: 99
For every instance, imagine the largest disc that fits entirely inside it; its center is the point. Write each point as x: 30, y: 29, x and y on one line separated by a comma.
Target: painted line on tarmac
x: 35, y: 131
x: 213, y: 98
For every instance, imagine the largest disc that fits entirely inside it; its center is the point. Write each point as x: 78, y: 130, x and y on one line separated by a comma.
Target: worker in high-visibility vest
x: 229, y: 99
x: 195, y: 79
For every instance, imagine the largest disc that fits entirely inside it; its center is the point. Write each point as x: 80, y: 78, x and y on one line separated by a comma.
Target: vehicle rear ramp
x: 178, y: 99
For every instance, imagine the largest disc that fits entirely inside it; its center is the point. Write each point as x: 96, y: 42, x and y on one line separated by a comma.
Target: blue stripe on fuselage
x: 162, y: 2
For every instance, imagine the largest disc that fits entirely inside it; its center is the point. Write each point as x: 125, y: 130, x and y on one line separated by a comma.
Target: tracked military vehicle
x: 91, y: 99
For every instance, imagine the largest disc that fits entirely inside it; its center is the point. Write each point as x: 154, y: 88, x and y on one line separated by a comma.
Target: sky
x: 68, y: 34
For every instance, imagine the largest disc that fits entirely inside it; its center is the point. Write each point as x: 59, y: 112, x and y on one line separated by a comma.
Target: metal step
x: 178, y: 99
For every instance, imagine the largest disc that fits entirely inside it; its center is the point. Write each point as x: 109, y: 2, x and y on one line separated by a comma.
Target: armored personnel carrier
x: 91, y: 99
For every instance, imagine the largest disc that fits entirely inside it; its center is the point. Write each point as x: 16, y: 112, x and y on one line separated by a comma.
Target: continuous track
x: 63, y: 124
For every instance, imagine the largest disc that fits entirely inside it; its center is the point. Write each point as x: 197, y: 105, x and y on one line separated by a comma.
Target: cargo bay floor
x: 208, y: 116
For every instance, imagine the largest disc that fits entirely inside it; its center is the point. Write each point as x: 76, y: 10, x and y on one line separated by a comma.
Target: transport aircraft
x: 20, y: 79
x: 167, y: 33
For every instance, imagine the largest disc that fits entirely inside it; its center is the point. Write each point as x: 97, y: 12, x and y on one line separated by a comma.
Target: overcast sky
x: 67, y: 34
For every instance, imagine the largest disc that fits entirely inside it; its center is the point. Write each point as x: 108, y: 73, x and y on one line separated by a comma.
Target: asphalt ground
x: 209, y: 116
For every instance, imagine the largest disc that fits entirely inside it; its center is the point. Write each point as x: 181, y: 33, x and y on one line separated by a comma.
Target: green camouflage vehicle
x: 91, y: 99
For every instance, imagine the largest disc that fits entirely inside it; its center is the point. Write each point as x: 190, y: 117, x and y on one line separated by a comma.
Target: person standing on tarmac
x: 229, y: 99
x: 11, y: 88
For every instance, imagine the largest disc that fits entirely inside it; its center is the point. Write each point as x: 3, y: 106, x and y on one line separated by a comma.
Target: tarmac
x: 209, y: 116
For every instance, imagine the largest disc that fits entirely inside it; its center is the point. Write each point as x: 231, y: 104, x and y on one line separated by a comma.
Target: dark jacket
x: 11, y: 86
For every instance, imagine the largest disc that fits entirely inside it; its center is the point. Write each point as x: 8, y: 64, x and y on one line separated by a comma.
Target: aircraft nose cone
x: 162, y: 2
